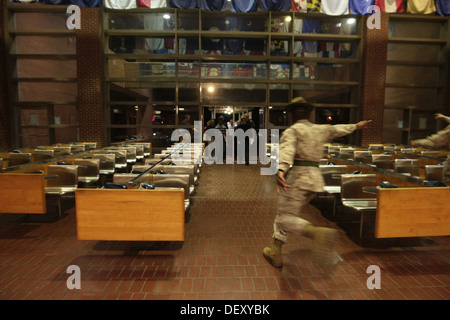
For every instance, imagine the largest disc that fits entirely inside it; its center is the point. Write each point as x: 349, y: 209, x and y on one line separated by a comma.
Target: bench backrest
x: 88, y: 167
x: 329, y: 173
x: 347, y: 153
x: 383, y: 161
x: 16, y: 159
x: 107, y: 161
x: 407, y: 166
x: 352, y: 186
x: 67, y: 175
x: 434, y: 172
x: 363, y: 156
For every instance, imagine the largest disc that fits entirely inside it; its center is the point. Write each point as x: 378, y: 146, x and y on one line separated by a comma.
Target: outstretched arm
x: 340, y: 130
x: 441, y: 116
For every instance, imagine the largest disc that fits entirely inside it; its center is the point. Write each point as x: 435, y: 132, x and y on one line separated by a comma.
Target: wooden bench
x: 135, y: 214
x: 130, y: 214
x: 25, y: 193
x: 412, y: 212
x: 22, y: 193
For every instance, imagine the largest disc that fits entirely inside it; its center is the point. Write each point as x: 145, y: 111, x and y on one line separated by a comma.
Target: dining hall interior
x: 93, y: 179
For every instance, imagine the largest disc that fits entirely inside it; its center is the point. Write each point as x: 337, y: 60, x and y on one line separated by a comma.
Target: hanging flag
x: 361, y: 7
x: 299, y: 5
x: 244, y: 5
x: 183, y: 4
x: 120, y: 4
x: 275, y: 5
x: 391, y: 6
x: 421, y: 6
x: 443, y: 7
x: 213, y: 5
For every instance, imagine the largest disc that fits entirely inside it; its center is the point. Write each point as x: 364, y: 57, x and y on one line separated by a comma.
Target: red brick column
x: 374, y: 56
x: 90, y: 77
x: 4, y: 114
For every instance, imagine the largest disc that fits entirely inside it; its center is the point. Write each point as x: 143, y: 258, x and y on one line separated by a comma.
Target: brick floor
x: 231, y: 221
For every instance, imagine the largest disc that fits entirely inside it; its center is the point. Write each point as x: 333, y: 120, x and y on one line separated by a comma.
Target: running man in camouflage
x: 299, y: 177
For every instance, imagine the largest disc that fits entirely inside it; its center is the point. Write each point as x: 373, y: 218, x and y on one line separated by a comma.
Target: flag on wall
x: 443, y: 7
x: 421, y: 6
x: 120, y: 4
x: 361, y: 7
x: 275, y: 5
x: 391, y: 6
x: 335, y: 8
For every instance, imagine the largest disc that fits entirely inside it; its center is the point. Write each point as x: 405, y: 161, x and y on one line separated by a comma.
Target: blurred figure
x: 438, y: 140
x: 301, y: 146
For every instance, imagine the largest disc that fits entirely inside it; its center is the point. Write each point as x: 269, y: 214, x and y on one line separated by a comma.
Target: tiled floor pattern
x: 230, y: 222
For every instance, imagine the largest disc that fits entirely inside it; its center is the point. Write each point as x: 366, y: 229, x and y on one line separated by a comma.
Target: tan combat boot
x: 273, y: 254
x: 324, y: 240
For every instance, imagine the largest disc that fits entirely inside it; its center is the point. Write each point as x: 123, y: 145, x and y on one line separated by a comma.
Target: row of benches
x: 107, y: 214
x: 138, y: 214
x: 403, y: 205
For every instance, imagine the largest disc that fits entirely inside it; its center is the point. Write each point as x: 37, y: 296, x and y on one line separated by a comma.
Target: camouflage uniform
x: 438, y: 140
x: 302, y: 141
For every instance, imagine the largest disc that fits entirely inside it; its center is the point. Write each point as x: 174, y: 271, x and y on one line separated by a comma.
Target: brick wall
x: 373, y: 77
x: 4, y: 127
x: 90, y: 74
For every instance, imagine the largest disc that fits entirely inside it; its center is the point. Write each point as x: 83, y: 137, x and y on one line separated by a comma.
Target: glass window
x: 47, y: 91
x: 413, y: 52
x: 46, y: 68
x: 188, y: 45
x: 324, y: 94
x: 405, y: 97
x: 325, y: 71
x: 329, y: 25
x: 187, y: 20
x: 404, y: 29
x: 277, y: 117
x: 44, y: 45
x: 69, y: 134
x: 418, y: 75
x: 233, y: 70
x: 144, y: 90
x: 279, y: 92
x: 142, y: 21
x: 188, y: 91
x: 39, y: 21
x: 280, y: 70
x: 65, y: 114
x: 233, y: 92
x: 140, y: 45
x: 31, y: 137
x: 187, y: 115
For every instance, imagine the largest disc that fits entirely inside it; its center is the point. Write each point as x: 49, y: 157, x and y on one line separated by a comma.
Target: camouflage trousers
x: 288, y: 219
